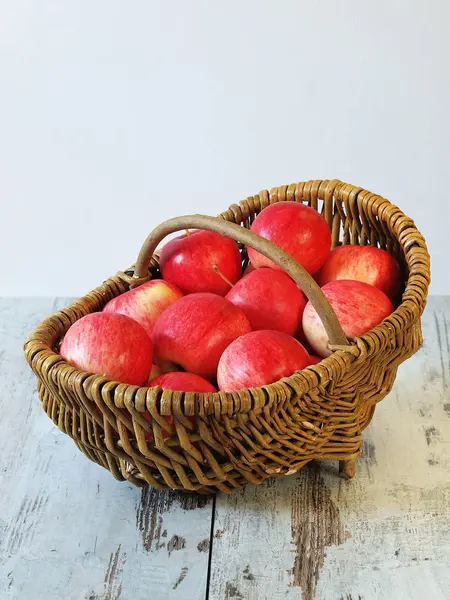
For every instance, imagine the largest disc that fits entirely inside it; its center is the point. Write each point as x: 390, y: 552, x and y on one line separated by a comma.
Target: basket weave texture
x: 246, y: 436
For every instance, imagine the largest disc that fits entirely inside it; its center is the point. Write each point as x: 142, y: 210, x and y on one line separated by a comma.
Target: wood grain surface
x: 68, y: 530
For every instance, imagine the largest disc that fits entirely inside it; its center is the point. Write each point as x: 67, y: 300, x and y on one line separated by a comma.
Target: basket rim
x: 40, y: 353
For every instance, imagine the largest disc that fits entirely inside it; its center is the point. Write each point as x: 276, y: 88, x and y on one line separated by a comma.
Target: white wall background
x: 116, y: 115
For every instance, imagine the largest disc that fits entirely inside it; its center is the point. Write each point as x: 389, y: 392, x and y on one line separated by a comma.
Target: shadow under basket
x: 250, y: 435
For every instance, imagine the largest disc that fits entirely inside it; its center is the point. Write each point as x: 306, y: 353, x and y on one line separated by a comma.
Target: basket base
x: 347, y: 468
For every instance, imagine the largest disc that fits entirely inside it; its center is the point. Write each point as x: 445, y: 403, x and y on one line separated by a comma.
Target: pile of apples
x: 204, y: 326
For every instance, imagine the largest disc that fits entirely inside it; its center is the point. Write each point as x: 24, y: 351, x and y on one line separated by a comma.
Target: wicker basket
x: 246, y: 436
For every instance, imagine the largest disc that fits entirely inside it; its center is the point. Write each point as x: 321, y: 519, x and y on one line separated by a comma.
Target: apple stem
x: 188, y: 233
x: 219, y: 272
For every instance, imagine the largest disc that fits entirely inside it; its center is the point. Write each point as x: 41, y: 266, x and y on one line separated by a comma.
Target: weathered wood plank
x: 384, y: 534
x: 67, y: 528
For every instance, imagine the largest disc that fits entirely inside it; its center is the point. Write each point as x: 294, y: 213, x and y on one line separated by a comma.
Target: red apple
x: 358, y: 306
x: 270, y: 299
x: 297, y: 229
x: 314, y: 360
x: 111, y: 345
x: 188, y: 260
x: 146, y: 303
x: 362, y: 263
x: 195, y: 330
x: 259, y: 358
x: 182, y: 381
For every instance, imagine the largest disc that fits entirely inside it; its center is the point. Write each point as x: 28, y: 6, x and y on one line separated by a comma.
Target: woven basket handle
x: 301, y: 277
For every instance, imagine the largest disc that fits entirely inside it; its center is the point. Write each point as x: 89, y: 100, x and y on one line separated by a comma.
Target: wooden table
x: 69, y: 531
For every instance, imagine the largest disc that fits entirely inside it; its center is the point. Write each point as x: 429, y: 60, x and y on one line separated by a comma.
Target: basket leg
x: 347, y: 468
